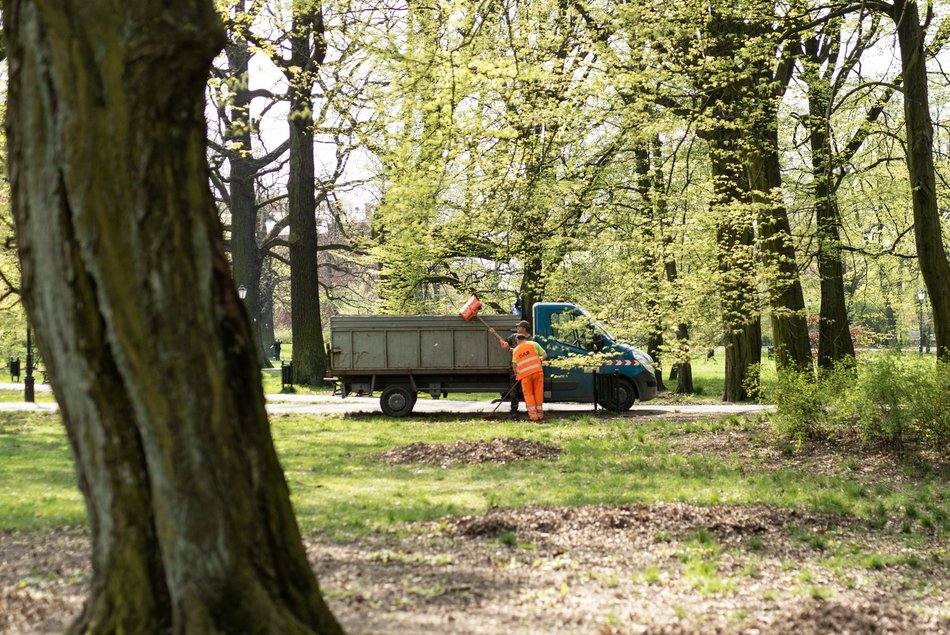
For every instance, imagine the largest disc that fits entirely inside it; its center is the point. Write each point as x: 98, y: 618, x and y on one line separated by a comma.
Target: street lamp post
x: 920, y: 318
x: 242, y: 292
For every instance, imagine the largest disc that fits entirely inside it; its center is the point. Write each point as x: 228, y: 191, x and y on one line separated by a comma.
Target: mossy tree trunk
x: 835, y: 344
x: 733, y: 101
x: 931, y: 254
x: 149, y: 349
x: 734, y: 213
x: 307, y: 50
x: 246, y: 256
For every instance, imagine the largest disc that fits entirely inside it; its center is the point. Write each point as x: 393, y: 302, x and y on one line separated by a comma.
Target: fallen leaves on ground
x: 665, y: 568
x: 506, y: 450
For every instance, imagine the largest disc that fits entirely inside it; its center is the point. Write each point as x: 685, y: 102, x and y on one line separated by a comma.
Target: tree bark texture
x: 931, y: 255
x: 309, y: 355
x: 835, y: 344
x: 786, y: 300
x: 649, y: 221
x: 730, y: 118
x: 734, y: 252
x: 246, y: 259
x: 149, y: 349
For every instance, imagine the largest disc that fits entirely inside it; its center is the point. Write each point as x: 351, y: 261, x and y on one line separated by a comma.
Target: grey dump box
x: 404, y: 355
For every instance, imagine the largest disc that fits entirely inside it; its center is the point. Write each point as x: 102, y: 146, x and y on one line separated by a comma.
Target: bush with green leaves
x: 806, y: 407
x: 900, y: 400
x: 890, y: 400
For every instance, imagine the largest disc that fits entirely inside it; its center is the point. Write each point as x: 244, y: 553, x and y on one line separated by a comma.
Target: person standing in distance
x: 523, y: 328
x: 526, y: 360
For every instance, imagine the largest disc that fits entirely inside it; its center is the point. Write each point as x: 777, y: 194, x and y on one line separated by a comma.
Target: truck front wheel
x: 626, y: 394
x: 397, y: 401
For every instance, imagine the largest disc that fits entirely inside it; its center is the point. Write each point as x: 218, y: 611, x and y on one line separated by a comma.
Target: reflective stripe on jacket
x: 526, y: 359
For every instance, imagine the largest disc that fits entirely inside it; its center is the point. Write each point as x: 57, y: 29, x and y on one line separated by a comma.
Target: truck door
x: 567, y: 335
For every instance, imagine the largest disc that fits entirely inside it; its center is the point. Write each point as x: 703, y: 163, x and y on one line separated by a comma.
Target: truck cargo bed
x: 424, y: 345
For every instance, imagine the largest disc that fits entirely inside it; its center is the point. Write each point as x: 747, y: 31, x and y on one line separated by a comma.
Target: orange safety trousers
x: 533, y: 388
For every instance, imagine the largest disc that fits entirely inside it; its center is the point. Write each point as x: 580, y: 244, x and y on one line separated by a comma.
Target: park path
x: 335, y: 405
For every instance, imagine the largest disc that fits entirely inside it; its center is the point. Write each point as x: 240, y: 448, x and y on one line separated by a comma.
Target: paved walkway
x: 333, y: 405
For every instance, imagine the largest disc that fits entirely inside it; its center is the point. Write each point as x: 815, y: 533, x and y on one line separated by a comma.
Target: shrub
x: 880, y: 399
x: 902, y: 399
x: 801, y: 411
x: 891, y: 400
x: 808, y: 408
x: 931, y: 408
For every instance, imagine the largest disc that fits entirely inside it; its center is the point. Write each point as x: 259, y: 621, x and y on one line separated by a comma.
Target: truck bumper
x: 646, y: 385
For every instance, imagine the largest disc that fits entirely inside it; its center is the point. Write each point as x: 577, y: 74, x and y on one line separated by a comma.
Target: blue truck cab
x: 577, y: 347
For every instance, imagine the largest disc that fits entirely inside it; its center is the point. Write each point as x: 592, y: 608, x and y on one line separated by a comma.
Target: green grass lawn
x: 17, y: 395
x: 270, y: 377
x: 709, y: 379
x: 340, y: 485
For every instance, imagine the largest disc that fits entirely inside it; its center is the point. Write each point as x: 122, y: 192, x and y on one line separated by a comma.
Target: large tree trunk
x: 149, y: 349
x: 734, y: 252
x: 245, y: 255
x: 934, y: 265
x: 786, y: 300
x: 650, y: 221
x: 834, y: 334
x: 309, y: 356
x: 726, y: 127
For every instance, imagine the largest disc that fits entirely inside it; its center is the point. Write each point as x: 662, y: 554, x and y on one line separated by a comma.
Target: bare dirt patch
x: 507, y: 450
x: 842, y: 458
x: 668, y: 568
x: 43, y: 577
x: 611, y: 570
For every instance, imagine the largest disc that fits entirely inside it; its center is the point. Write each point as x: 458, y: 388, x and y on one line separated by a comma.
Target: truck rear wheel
x: 397, y: 401
x: 626, y: 394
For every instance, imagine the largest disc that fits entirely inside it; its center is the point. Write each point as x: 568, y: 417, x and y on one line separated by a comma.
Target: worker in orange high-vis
x: 524, y: 328
x: 526, y: 360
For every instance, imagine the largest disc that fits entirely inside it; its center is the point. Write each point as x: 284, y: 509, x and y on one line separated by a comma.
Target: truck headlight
x: 644, y: 359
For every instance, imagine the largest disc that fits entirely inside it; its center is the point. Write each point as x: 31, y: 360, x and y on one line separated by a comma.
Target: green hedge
x: 890, y: 400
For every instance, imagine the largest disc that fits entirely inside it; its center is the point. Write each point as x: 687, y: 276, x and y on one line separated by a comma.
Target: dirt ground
x: 605, y: 569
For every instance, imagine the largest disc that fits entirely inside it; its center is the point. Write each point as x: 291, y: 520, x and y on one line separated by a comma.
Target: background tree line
x: 683, y: 171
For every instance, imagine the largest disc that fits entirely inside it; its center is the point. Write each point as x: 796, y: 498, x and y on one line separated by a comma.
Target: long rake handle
x: 507, y: 394
x: 500, y: 339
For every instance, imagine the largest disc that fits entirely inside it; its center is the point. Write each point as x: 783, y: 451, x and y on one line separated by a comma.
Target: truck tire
x: 397, y: 401
x: 627, y: 394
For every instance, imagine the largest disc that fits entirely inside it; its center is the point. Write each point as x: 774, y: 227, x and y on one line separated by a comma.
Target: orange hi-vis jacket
x: 526, y: 359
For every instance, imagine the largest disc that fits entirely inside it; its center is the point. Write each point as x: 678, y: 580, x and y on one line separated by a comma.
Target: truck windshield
x: 579, y: 330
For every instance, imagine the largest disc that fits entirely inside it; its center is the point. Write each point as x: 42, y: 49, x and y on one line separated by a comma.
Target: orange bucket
x: 470, y: 308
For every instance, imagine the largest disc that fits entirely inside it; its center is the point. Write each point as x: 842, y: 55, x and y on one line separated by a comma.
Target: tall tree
x: 651, y: 221
x: 732, y: 97
x: 824, y: 71
x: 237, y: 187
x: 769, y: 81
x: 149, y: 349
x: 307, y: 51
x: 931, y: 253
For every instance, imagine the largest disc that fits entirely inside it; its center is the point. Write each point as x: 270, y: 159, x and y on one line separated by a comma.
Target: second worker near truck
x: 523, y: 328
x: 526, y: 360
